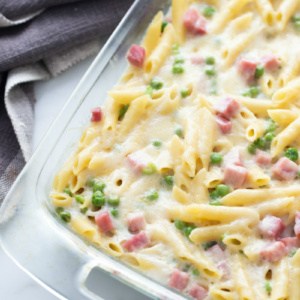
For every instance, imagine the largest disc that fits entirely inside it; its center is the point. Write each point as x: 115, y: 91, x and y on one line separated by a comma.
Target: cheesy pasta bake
x: 190, y: 170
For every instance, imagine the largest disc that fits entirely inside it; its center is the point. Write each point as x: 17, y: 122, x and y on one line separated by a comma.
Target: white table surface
x: 14, y: 283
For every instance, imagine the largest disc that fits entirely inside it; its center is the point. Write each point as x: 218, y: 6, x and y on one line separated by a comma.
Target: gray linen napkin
x: 45, y: 38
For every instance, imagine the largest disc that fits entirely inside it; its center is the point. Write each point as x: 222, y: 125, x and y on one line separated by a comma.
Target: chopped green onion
x: 156, y: 143
x: 98, y: 199
x: 152, y: 195
x: 156, y: 84
x: 208, y: 11
x: 180, y: 225
x: 295, y: 18
x: 215, y: 203
x: 210, y: 60
x: 292, y: 154
x: 241, y: 252
x: 260, y: 143
x: 184, y: 93
x: 179, y: 132
x: 79, y: 199
x: 195, y: 272
x: 186, y: 268
x: 175, y: 48
x: 99, y: 186
x: 178, y: 69
x: 210, y: 71
x: 113, y: 200
x: 169, y: 180
x: 222, y: 189
x: 294, y: 252
x: 123, y: 110
x: 213, y: 92
x: 179, y: 60
x: 297, y: 26
x: 58, y: 210
x: 114, y: 212
x: 149, y: 90
x: 269, y: 137
x: 68, y: 191
x: 83, y: 210
x: 214, y: 195
x: 216, y: 158
x: 65, y: 216
x: 164, y: 25
x: 90, y: 182
x: 150, y: 169
x: 251, y: 149
x: 222, y: 237
x: 299, y: 174
x: 188, y: 230
x: 268, y: 287
x: 209, y: 244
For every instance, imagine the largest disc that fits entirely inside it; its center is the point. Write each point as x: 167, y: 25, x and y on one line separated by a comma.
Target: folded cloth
x: 40, y: 39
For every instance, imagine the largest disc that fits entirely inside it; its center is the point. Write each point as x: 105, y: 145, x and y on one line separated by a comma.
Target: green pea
x: 268, y: 287
x: 253, y: 91
x: 269, y: 137
x: 208, y: 11
x: 215, y: 203
x: 65, y: 216
x: 184, y: 93
x: 179, y: 60
x: 178, y: 69
x: 272, y: 126
x: 98, y: 199
x: 164, y: 25
x: 179, y: 132
x: 68, y: 191
x: 114, y: 212
x: 297, y: 26
x: 58, y: 210
x: 122, y: 111
x: 149, y: 91
x: 222, y: 237
x: 210, y: 60
x: 180, y: 225
x: 251, y: 148
x: 169, y: 180
x: 156, y: 84
x: 222, y: 189
x: 175, y: 48
x: 216, y: 158
x: 295, y: 18
x: 259, y: 71
x: 292, y: 154
x: 150, y: 169
x: 210, y: 71
x: 152, y: 195
x: 83, y: 210
x: 90, y: 182
x: 209, y: 245
x: 156, y: 143
x: 213, y: 92
x: 196, y: 273
x: 299, y: 174
x: 260, y: 143
x: 214, y: 195
x: 79, y: 199
x: 188, y: 230
x: 99, y: 186
x: 113, y: 200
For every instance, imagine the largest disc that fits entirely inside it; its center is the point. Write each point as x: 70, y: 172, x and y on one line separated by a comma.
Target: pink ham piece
x: 262, y: 157
x: 227, y: 108
x: 136, y: 221
x: 271, y: 227
x: 136, y: 55
x: 104, y: 221
x: 138, y: 160
x: 270, y: 61
x: 285, y: 169
x: 235, y: 175
x: 96, y: 114
x: 290, y: 243
x: 223, y: 267
x: 273, y: 252
x: 224, y: 125
x: 233, y: 157
x: 247, y: 68
x: 178, y: 280
x: 297, y: 225
x: 193, y: 22
x: 197, y: 60
x: 198, y: 292
x: 137, y: 242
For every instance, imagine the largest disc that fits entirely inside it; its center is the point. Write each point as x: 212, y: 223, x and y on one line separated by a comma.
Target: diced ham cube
x: 235, y: 175
x: 247, y: 68
x: 233, y: 157
x: 168, y: 19
x: 196, y: 60
x: 224, y: 125
x: 291, y: 243
x: 138, y: 160
x: 136, y: 221
x: 193, y: 22
x: 104, y: 221
x: 96, y: 114
x: 223, y: 267
x: 216, y: 253
x: 137, y: 242
x: 198, y: 292
x: 297, y: 225
x: 285, y: 169
x: 271, y: 226
x: 227, y: 108
x: 136, y: 55
x: 273, y: 252
x: 262, y: 157
x: 178, y: 280
x: 270, y: 61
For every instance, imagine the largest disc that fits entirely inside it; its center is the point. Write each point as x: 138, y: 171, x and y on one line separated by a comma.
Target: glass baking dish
x: 30, y: 232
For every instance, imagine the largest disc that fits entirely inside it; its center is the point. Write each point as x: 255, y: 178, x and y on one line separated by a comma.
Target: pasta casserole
x: 190, y: 170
